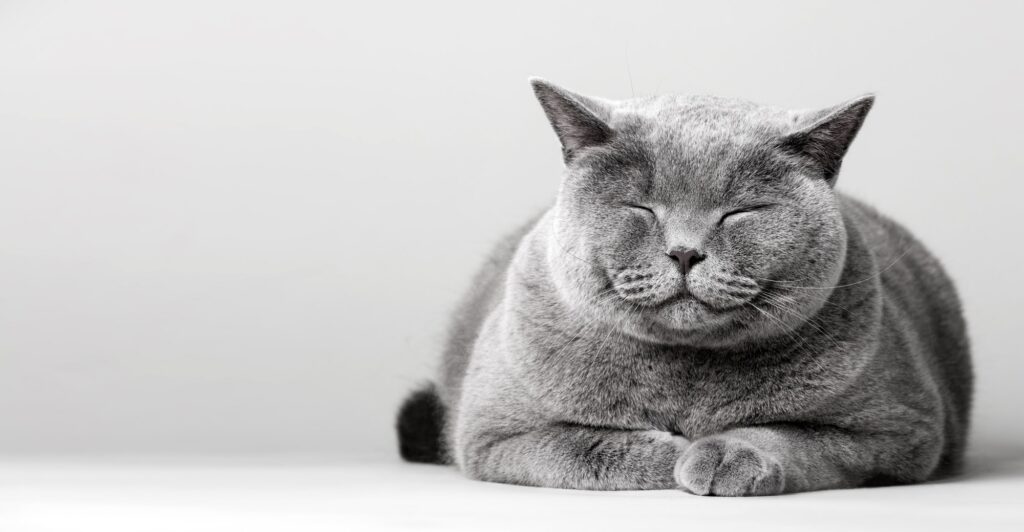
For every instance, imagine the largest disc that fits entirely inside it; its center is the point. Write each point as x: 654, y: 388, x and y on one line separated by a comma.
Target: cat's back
x: 911, y: 277
x: 921, y: 307
x: 476, y: 305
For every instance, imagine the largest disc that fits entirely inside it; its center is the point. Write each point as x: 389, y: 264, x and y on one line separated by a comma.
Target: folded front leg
x: 772, y: 459
x: 573, y: 456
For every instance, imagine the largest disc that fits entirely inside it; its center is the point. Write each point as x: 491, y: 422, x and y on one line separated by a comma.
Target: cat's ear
x: 580, y: 122
x: 824, y: 136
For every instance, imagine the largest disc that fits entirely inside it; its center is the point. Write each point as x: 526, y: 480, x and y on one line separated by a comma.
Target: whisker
x: 791, y: 300
x: 569, y: 253
x: 574, y: 336
x: 785, y: 328
x: 866, y: 279
x: 812, y: 322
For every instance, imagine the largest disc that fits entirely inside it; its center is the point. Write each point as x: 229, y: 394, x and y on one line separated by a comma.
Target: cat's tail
x: 421, y: 427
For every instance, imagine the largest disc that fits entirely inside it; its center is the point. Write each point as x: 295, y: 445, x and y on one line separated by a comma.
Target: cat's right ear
x: 579, y: 122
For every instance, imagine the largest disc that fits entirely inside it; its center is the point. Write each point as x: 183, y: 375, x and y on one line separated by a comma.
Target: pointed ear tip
x: 538, y: 82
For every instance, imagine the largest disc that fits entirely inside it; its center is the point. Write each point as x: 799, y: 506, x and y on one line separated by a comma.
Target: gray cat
x: 701, y: 309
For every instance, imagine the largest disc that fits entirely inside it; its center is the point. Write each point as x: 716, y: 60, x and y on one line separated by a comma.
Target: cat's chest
x: 692, y: 396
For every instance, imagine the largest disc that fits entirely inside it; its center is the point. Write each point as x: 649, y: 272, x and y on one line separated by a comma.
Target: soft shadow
x: 990, y: 460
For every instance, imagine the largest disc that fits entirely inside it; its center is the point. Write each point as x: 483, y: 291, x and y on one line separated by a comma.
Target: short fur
x: 816, y: 345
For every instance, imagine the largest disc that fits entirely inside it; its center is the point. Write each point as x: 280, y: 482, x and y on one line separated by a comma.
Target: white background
x: 239, y: 227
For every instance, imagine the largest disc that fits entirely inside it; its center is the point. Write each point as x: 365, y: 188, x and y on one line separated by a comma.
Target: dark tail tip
x: 420, y: 427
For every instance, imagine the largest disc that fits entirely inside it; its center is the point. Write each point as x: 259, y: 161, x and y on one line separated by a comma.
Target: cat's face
x: 747, y: 188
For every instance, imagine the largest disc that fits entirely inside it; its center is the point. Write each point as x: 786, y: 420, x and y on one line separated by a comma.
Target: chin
x: 686, y: 321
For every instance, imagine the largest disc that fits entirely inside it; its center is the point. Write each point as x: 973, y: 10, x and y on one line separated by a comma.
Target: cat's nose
x: 686, y: 258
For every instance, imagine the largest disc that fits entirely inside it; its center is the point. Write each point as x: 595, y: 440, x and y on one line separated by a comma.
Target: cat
x: 701, y: 309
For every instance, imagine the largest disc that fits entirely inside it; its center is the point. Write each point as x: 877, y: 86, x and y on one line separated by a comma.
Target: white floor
x: 340, y: 495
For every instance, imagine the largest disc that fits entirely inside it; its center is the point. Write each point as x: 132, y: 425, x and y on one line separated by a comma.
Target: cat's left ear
x: 824, y: 136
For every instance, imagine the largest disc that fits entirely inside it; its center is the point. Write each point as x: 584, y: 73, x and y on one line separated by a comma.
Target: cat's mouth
x: 722, y: 292
x: 715, y: 292
x: 673, y: 309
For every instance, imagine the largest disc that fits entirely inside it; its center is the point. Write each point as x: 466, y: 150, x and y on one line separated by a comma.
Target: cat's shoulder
x: 884, y: 237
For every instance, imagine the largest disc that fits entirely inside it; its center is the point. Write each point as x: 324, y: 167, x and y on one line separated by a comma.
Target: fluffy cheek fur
x: 796, y: 257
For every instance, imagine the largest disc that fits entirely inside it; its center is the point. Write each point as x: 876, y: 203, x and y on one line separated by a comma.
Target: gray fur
x: 818, y: 345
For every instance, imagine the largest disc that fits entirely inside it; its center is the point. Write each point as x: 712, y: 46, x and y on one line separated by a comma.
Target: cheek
x: 628, y: 238
x: 610, y: 237
x: 788, y: 248
x: 759, y: 244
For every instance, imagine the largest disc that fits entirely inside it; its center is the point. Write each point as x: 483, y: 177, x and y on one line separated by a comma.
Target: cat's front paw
x: 729, y: 466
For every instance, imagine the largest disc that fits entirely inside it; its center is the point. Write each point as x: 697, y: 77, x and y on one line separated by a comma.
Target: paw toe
x: 728, y: 467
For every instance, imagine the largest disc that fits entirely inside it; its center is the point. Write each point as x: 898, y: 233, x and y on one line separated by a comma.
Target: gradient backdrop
x: 239, y: 227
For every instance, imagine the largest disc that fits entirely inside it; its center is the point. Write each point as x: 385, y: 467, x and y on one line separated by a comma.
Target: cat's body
x: 836, y: 358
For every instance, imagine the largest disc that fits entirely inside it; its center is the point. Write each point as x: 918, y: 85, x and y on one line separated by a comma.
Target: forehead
x: 703, y: 148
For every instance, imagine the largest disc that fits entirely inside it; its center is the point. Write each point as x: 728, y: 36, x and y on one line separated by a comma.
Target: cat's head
x: 698, y: 220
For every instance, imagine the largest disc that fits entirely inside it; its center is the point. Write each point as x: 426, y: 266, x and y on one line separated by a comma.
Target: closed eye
x: 640, y: 208
x: 739, y: 214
